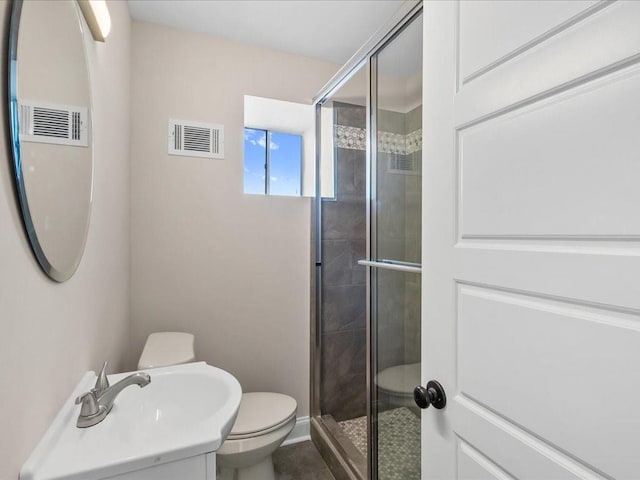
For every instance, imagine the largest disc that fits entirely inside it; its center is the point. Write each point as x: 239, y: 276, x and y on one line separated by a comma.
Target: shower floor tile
x: 356, y: 431
x: 398, y: 439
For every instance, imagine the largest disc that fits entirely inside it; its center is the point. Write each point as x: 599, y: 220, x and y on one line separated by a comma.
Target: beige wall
x: 53, y: 333
x: 233, y: 269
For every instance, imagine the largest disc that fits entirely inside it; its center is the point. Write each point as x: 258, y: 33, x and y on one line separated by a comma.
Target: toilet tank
x: 167, y: 348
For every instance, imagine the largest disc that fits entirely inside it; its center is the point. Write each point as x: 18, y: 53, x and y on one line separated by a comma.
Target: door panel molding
x: 516, y: 450
x: 544, y: 71
x: 473, y: 464
x: 572, y: 13
x: 553, y: 159
x: 552, y: 274
x: 541, y: 365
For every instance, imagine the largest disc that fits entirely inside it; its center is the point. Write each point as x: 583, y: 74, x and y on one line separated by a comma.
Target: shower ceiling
x: 330, y: 30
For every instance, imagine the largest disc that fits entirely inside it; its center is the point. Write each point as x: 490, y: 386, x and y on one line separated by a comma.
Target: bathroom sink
x: 186, y: 410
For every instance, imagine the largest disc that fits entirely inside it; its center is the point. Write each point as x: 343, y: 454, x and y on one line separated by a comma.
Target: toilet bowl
x: 263, y: 422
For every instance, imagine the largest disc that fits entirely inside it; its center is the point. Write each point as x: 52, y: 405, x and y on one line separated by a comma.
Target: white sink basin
x: 186, y: 410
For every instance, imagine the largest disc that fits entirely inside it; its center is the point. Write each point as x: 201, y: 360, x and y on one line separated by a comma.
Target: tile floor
x: 398, y: 442
x: 399, y: 449
x: 300, y: 461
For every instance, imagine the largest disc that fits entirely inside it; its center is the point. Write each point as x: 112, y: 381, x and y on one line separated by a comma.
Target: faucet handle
x: 89, y: 403
x: 102, y: 383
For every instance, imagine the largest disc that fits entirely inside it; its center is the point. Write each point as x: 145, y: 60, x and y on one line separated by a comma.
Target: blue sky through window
x: 285, y: 162
x: 255, y: 154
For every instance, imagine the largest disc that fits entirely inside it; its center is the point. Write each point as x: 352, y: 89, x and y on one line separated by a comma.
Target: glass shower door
x: 395, y: 257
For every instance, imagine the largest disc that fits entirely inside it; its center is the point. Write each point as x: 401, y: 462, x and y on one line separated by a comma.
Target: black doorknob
x: 432, y: 395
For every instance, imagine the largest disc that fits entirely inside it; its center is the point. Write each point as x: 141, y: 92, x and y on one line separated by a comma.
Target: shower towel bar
x: 392, y: 265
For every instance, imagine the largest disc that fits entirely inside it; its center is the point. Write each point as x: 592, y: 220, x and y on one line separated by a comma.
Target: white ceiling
x: 331, y: 30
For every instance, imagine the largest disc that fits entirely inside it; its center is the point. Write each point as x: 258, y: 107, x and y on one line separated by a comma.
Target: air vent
x: 50, y: 123
x: 192, y: 139
x: 403, y: 164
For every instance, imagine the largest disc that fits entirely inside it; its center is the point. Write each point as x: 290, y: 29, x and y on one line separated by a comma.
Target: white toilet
x: 396, y: 384
x: 264, y: 419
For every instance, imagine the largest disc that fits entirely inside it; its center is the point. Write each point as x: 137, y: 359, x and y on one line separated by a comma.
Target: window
x: 272, y: 163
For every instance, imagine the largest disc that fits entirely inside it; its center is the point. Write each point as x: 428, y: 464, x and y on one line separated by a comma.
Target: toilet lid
x: 261, y: 411
x: 400, y: 379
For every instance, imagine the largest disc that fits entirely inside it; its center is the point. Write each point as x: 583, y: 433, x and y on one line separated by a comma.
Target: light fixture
x: 97, y: 16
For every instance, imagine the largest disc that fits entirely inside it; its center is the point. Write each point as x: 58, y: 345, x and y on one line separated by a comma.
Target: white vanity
x: 168, y: 430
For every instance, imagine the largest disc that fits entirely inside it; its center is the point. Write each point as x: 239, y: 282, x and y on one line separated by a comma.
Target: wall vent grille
x: 193, y: 139
x: 50, y: 123
x: 403, y: 164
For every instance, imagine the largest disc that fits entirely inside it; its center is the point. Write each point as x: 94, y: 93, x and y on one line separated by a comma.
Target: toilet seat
x: 261, y: 432
x: 261, y: 413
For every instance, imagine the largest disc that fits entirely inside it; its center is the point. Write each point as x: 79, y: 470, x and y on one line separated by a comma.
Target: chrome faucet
x: 98, y: 402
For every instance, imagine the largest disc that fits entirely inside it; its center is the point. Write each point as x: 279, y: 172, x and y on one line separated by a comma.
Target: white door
x: 531, y: 239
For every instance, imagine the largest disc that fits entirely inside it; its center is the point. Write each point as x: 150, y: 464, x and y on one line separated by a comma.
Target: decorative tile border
x: 350, y: 137
x: 392, y: 143
x: 355, y: 138
x: 414, y: 141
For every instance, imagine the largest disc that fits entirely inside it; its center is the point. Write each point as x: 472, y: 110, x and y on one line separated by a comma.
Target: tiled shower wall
x: 413, y: 231
x: 399, y: 236
x: 343, y: 377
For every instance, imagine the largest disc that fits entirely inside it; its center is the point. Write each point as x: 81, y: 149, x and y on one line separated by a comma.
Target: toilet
x: 396, y: 384
x: 264, y: 419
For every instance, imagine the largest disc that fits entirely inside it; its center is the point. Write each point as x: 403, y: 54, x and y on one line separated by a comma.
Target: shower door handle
x: 432, y: 395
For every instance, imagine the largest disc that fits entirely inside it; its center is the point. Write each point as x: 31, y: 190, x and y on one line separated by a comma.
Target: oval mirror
x: 50, y: 119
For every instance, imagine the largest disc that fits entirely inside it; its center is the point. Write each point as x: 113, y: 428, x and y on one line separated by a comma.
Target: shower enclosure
x: 367, y: 240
